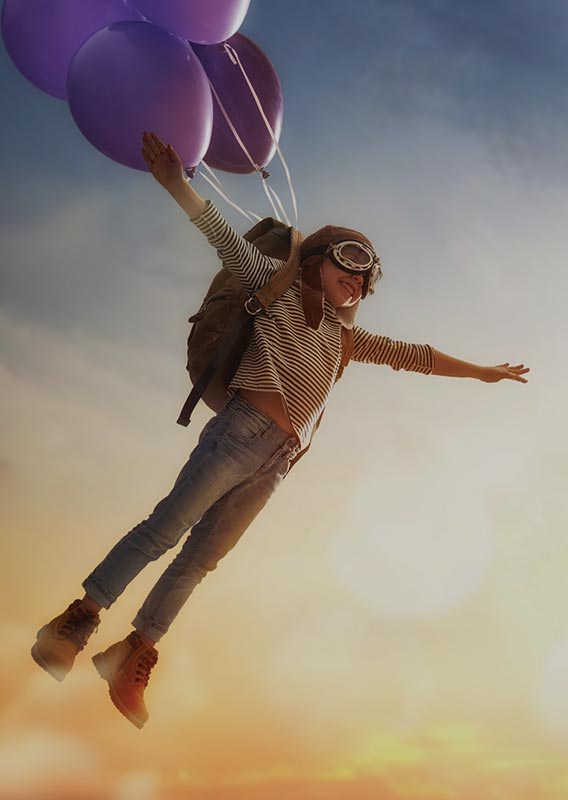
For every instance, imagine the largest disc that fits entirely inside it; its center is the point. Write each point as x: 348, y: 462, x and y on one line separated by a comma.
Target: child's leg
x: 231, y: 448
x: 211, y: 538
x: 126, y: 665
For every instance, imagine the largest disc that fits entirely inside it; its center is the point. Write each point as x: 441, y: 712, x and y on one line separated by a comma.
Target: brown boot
x: 60, y: 640
x: 126, y: 666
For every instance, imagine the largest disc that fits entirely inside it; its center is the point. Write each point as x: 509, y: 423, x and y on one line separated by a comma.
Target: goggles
x: 354, y: 257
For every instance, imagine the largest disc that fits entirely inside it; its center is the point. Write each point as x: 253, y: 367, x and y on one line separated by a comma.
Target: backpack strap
x: 264, y: 296
x: 223, y: 345
x: 285, y: 277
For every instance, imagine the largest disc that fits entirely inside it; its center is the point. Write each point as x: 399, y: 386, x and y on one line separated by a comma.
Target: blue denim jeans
x: 240, y: 459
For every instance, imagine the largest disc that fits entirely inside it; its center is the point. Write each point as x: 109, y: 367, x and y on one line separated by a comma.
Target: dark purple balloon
x: 42, y: 37
x: 203, y: 21
x: 224, y: 151
x: 131, y: 77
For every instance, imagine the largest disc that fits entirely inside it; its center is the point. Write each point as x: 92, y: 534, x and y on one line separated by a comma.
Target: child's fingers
x: 173, y: 155
x: 151, y: 144
x: 158, y: 144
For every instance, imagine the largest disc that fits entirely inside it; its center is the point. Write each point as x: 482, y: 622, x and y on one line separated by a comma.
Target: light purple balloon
x: 224, y: 151
x: 201, y: 21
x: 131, y: 77
x: 42, y: 36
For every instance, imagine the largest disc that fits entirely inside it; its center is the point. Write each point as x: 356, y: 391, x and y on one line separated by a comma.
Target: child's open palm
x: 162, y: 160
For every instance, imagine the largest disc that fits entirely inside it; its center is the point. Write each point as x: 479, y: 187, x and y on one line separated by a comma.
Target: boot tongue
x: 80, y: 625
x: 136, y: 641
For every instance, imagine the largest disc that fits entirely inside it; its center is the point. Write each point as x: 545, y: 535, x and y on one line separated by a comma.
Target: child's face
x: 340, y: 288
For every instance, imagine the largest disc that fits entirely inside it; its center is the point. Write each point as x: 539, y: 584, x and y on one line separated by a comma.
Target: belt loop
x: 292, y: 446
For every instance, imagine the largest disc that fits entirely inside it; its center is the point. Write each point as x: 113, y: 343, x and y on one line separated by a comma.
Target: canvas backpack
x: 222, y: 327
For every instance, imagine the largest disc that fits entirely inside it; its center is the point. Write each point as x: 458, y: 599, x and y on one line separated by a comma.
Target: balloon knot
x: 264, y: 174
x: 190, y: 172
x: 230, y: 52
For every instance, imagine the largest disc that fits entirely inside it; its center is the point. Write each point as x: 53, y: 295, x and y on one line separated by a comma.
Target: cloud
x: 103, y: 261
x: 137, y: 785
x: 33, y: 759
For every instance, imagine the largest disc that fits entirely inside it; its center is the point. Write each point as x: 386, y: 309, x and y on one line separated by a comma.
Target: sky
x: 393, y: 625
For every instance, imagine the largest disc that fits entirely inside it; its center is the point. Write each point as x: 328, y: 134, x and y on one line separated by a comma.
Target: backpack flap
x: 222, y: 327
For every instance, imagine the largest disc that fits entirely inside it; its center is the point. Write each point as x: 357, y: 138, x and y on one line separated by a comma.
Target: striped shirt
x: 285, y: 355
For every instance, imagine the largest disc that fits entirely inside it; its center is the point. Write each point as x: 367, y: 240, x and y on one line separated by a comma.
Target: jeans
x: 240, y: 459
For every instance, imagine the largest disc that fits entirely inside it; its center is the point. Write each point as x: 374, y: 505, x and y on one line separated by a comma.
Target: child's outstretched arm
x: 251, y: 268
x: 454, y: 368
x: 373, y: 348
x: 166, y: 167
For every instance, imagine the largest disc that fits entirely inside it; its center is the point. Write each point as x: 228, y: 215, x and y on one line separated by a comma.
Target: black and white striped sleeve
x: 251, y: 268
x: 371, y: 348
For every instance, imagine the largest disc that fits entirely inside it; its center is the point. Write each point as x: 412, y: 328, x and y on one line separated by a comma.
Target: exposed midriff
x: 271, y: 404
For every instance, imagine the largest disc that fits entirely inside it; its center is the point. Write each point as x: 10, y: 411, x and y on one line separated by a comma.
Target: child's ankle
x: 91, y: 604
x: 146, y: 639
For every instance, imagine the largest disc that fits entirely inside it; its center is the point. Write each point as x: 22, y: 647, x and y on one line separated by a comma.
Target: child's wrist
x: 177, y: 187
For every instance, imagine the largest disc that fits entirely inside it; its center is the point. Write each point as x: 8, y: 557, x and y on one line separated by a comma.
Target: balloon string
x: 228, y: 199
x: 220, y: 184
x: 262, y: 172
x: 233, y: 55
x: 280, y: 206
x: 212, y: 174
x: 270, y: 200
x: 234, y: 131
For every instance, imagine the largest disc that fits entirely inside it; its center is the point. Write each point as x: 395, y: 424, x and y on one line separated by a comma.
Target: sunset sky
x: 394, y: 625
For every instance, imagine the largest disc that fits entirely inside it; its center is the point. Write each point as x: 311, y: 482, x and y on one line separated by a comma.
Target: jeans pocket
x: 247, y: 426
x: 208, y: 427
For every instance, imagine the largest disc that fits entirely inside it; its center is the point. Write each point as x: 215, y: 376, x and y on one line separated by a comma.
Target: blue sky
x: 393, y: 94
x: 438, y: 127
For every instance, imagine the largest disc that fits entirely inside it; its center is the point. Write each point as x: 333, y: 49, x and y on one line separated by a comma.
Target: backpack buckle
x: 253, y: 311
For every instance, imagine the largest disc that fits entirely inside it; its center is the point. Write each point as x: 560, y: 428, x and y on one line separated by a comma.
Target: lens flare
x: 418, y: 555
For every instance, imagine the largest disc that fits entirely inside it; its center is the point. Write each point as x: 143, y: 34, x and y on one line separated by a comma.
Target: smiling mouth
x: 348, y: 287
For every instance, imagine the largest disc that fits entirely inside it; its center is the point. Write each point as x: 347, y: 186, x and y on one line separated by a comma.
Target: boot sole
x: 59, y: 675
x: 105, y: 672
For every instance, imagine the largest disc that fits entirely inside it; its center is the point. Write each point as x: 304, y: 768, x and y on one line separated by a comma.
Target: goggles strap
x: 314, y: 251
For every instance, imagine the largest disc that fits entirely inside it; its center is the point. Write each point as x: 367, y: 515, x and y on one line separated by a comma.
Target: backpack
x: 222, y: 327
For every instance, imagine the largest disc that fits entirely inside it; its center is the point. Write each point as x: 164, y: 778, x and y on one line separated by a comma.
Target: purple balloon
x: 202, y: 21
x: 224, y: 151
x: 42, y: 37
x: 131, y: 77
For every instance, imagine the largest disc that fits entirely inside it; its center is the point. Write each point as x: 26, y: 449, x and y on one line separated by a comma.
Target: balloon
x: 131, y: 77
x: 224, y: 151
x: 41, y: 37
x: 202, y: 21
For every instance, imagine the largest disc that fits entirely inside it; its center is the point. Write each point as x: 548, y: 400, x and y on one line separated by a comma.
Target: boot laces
x: 146, y: 660
x: 79, y: 625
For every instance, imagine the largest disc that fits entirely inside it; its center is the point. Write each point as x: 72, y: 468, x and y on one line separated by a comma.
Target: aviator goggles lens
x: 356, y: 258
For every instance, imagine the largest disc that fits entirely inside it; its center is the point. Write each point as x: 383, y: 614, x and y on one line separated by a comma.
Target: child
x: 244, y: 452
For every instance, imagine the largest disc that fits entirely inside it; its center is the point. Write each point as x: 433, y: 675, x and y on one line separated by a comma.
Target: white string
x: 270, y: 200
x: 242, y: 145
x: 280, y: 206
x: 212, y: 174
x: 226, y: 197
x: 226, y: 193
x: 233, y: 55
x: 233, y: 130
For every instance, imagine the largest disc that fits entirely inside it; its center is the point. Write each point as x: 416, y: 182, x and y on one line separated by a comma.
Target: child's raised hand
x: 162, y: 160
x: 501, y: 371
